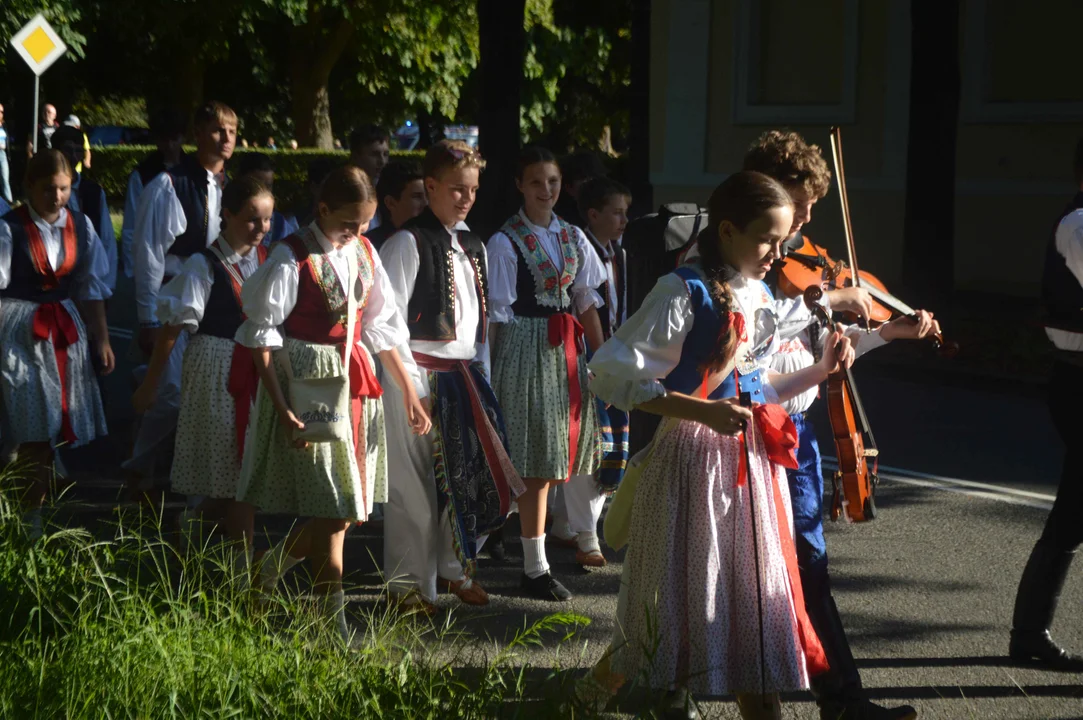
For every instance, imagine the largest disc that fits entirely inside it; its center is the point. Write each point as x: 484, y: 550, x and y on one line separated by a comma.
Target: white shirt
x: 612, y: 302
x: 1069, y: 242
x: 107, y: 235
x: 270, y: 294
x: 795, y: 349
x: 401, y: 261
x: 159, y: 221
x: 183, y: 300
x: 504, y: 269
x: 629, y: 368
x: 89, y: 282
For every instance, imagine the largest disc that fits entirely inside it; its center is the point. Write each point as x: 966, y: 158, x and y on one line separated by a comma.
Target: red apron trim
x: 40, y: 257
x: 242, y: 385
x: 507, y: 479
x: 565, y: 330
x: 53, y: 321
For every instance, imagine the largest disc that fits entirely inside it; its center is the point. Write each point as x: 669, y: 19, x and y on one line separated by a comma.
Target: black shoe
x: 1030, y: 648
x: 865, y: 710
x: 494, y: 546
x: 545, y: 587
x: 680, y: 706
x: 1035, y: 605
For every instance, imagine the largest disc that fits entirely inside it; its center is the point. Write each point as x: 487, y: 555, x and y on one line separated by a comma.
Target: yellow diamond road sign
x: 38, y: 44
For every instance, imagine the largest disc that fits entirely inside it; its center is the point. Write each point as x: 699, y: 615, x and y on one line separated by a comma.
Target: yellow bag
x: 618, y: 518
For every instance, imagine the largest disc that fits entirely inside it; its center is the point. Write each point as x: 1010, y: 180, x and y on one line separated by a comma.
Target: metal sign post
x: 40, y: 47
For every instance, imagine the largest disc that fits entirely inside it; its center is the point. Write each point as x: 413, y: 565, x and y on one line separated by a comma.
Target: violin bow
x: 844, y: 202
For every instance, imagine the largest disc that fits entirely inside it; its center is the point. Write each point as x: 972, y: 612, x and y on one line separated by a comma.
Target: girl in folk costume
x: 218, y: 375
x: 711, y: 598
x: 543, y: 276
x: 296, y: 306
x: 53, y: 273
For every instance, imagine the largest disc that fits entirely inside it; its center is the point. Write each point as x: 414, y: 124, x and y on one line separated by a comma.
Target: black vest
x: 223, y: 315
x: 90, y: 202
x: 1061, y: 291
x: 621, y: 280
x: 431, y: 311
x: 26, y: 283
x: 191, y: 184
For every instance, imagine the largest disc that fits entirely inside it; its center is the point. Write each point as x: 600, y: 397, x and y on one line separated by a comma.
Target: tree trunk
x: 929, y: 221
x: 314, y: 51
x: 639, y: 152
x: 503, y: 44
x: 187, y: 91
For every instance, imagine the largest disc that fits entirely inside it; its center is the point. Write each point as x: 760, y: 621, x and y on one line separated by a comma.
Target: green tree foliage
x: 63, y: 15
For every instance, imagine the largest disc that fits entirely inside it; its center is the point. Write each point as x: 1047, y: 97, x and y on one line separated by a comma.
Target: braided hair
x: 741, y: 199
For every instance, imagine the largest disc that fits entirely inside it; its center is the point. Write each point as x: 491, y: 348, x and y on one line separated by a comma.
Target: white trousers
x: 160, y: 421
x: 580, y: 503
x: 417, y: 538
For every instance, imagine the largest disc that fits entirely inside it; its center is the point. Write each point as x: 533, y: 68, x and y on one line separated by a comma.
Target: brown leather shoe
x: 412, y: 604
x: 561, y: 541
x: 471, y: 593
x: 594, y: 558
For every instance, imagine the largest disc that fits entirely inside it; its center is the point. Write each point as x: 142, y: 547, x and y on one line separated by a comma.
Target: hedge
x: 111, y: 166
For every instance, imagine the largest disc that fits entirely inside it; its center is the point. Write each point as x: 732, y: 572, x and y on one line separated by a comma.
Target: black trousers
x: 1064, y: 526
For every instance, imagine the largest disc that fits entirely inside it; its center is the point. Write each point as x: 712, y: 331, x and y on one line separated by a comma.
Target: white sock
x: 588, y: 542
x: 276, y: 563
x: 534, y: 562
x: 562, y: 528
x: 334, y: 607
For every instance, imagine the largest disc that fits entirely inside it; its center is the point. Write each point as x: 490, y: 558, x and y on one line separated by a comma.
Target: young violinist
x: 1047, y: 567
x: 801, y: 169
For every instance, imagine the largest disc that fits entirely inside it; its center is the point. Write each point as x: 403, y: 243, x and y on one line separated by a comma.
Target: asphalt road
x: 926, y: 590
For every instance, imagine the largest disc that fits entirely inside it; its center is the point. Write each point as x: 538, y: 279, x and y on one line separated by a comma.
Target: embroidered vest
x: 223, y: 314
x: 430, y: 314
x: 621, y: 277
x: 320, y: 313
x: 1061, y: 291
x: 28, y: 280
x: 540, y: 289
x: 687, y: 377
x: 191, y: 184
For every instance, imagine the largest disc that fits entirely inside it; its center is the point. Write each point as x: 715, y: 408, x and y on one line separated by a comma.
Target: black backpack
x: 655, y: 245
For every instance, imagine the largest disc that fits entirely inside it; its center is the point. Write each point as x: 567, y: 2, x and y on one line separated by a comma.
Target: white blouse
x: 401, y: 261
x: 629, y: 368
x: 504, y: 269
x: 159, y: 221
x: 270, y: 295
x: 91, y: 279
x: 183, y: 300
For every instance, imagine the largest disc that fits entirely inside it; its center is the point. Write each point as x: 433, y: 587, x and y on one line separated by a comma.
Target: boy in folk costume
x: 455, y: 484
x: 603, y: 204
x: 50, y: 259
x: 178, y: 217
x: 786, y: 157
x: 168, y: 130
x: 401, y: 197
x: 543, y: 289
x: 370, y: 150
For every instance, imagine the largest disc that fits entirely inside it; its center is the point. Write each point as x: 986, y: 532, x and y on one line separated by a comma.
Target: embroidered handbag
x: 323, y: 404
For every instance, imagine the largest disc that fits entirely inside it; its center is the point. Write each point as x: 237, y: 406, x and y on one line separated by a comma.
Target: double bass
x: 804, y: 272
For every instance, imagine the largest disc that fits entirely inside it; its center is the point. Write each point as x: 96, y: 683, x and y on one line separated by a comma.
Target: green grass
x: 127, y: 628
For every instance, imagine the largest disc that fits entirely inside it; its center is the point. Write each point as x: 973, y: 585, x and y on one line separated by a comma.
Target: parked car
x: 117, y: 135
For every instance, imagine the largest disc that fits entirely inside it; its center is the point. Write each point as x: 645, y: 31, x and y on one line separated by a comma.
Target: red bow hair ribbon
x: 779, y: 438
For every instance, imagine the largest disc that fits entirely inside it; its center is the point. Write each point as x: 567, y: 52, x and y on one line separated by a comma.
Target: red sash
x: 500, y: 465
x: 52, y: 321
x: 243, y: 377
x: 565, y: 330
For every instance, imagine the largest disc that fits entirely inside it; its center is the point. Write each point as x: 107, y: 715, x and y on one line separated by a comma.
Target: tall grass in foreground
x: 127, y: 628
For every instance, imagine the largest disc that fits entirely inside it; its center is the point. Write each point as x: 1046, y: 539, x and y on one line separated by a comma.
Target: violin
x: 854, y: 483
x: 810, y: 265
